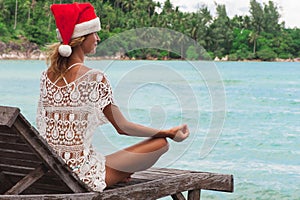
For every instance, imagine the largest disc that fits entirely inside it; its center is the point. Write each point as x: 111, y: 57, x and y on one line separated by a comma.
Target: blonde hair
x: 57, y: 63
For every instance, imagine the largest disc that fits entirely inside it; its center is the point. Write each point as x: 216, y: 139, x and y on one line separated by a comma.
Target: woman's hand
x: 179, y: 133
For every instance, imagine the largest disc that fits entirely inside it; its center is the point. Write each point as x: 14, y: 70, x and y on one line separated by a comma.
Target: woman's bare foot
x: 126, y: 180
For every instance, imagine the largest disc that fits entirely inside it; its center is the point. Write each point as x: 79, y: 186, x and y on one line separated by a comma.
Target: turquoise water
x: 260, y: 139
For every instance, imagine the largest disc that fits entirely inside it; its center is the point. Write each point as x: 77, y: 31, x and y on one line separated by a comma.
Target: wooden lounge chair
x: 30, y: 169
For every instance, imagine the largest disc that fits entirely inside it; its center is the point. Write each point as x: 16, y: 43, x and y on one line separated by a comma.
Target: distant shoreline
x: 38, y: 55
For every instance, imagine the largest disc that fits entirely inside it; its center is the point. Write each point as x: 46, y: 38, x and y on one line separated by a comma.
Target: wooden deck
x: 155, y: 183
x: 29, y: 169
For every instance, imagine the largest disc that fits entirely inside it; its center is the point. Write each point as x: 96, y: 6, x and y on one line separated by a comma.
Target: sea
x: 243, y: 117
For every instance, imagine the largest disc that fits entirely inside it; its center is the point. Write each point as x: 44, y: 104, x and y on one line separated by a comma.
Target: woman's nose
x: 97, y: 37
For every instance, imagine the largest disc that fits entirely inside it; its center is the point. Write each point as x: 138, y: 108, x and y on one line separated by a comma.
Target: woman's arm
x: 123, y: 126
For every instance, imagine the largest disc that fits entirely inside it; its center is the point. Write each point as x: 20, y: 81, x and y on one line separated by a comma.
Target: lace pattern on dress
x: 67, y: 118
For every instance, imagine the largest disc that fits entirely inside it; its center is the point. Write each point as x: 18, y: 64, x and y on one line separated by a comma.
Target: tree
x: 203, y: 19
x: 128, y: 5
x: 294, y: 43
x: 271, y: 19
x: 257, y: 16
x: 168, y: 7
x: 16, y: 15
x: 253, y: 39
x: 4, y: 10
x: 222, y: 32
x: 241, y: 22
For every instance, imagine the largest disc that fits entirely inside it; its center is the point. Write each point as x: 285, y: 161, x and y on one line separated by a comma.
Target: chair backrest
x: 28, y: 165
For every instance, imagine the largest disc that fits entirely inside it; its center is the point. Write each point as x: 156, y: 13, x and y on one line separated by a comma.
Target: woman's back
x: 69, y: 111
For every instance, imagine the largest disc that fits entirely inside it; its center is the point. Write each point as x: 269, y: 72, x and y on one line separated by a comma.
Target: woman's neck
x: 72, y: 61
x: 75, y: 58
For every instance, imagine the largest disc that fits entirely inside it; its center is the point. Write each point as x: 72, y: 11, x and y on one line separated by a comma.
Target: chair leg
x: 178, y: 196
x: 194, y: 194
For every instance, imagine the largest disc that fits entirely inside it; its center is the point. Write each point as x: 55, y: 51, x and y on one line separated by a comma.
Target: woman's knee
x: 158, y: 145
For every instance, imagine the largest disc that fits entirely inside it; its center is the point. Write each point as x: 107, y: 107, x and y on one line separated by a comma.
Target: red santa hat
x: 72, y: 21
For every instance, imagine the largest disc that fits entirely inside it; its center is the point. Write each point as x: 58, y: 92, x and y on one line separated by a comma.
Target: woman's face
x: 90, y: 43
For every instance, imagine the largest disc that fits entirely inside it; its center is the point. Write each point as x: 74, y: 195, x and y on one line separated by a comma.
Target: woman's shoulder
x: 98, y: 74
x: 77, y: 75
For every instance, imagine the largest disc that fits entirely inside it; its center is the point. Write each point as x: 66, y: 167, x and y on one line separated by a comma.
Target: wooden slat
x: 76, y: 196
x: 37, y: 191
x: 52, y: 188
x: 19, y: 162
x: 147, y: 176
x: 15, y: 168
x: 27, y: 180
x: 48, y: 189
x: 6, y: 130
x: 155, y: 173
x: 11, y: 138
x: 15, y: 146
x: 213, y: 181
x: 15, y: 177
x: 6, y: 153
x: 166, y: 171
x: 133, y: 181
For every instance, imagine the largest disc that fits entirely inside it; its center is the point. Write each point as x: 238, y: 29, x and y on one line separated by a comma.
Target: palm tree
x: 16, y: 14
x: 29, y: 4
x: 150, y: 7
x: 50, y: 17
x: 4, y: 10
x: 253, y: 39
x: 127, y: 5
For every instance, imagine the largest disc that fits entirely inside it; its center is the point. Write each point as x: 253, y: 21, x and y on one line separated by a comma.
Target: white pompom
x: 65, y: 50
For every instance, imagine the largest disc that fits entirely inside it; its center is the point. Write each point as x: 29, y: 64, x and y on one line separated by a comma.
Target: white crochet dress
x: 67, y: 118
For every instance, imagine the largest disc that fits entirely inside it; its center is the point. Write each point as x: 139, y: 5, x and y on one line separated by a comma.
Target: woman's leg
x: 141, y: 156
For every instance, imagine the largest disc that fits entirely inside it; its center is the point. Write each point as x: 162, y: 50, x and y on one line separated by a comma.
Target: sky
x: 288, y: 9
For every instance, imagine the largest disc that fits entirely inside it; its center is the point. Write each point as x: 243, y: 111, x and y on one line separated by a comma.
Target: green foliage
x: 285, y: 56
x: 240, y: 39
x: 4, y: 33
x: 293, y: 41
x: 266, y: 54
x: 222, y: 33
x: 257, y: 35
x: 191, y: 53
x: 244, y: 53
x: 37, y: 35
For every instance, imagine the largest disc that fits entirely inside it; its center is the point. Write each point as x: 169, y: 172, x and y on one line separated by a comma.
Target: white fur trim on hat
x: 84, y: 28
x: 65, y: 50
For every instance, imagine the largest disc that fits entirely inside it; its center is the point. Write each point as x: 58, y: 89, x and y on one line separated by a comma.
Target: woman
x: 76, y: 99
